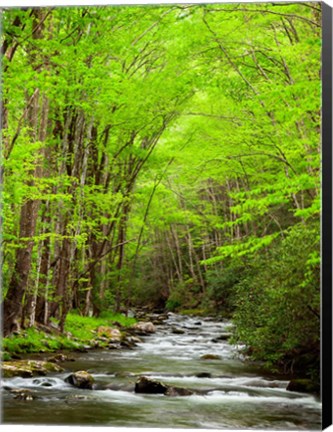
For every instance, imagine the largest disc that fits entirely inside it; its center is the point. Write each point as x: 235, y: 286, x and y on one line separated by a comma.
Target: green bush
x: 221, y: 284
x: 278, y: 303
x: 172, y: 305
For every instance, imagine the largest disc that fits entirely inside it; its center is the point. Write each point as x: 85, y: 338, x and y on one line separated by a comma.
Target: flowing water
x: 236, y: 396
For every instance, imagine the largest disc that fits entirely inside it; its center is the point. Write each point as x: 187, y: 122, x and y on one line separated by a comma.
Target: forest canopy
x: 165, y: 156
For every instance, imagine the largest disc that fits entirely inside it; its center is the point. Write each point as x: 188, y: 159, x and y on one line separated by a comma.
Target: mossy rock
x: 80, y: 379
x: 28, y: 368
x: 303, y: 385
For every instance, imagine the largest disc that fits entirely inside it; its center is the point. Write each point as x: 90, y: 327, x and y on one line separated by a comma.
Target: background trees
x: 167, y: 156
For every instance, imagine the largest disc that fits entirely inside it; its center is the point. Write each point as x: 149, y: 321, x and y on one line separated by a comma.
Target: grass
x: 82, y: 327
x: 80, y: 331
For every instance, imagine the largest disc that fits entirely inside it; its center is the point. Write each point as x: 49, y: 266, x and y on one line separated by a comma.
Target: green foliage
x: 173, y: 303
x: 81, y: 330
x: 278, y: 302
x: 32, y: 341
x: 82, y: 327
x: 221, y: 284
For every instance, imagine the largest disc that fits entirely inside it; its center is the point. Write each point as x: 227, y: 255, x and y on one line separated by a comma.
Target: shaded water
x: 239, y: 396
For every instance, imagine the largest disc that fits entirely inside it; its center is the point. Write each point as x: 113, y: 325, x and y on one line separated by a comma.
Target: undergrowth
x: 79, y: 331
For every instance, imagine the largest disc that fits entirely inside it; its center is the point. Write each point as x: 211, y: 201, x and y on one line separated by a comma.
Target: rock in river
x: 176, y: 330
x: 203, y: 375
x: 147, y: 385
x: 60, y: 358
x: 222, y: 337
x: 144, y: 328
x: 81, y: 379
x: 28, y: 368
x: 23, y: 394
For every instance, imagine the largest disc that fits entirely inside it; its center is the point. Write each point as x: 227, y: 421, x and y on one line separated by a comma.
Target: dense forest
x: 165, y: 157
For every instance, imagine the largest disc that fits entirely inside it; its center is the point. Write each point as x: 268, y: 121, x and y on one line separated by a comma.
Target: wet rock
x: 158, y: 319
x: 127, y: 343
x: 60, y: 358
x: 144, y: 328
x: 198, y: 323
x: 176, y: 330
x: 178, y: 391
x: 80, y: 379
x: 210, y: 357
x: 23, y: 394
x: 114, y: 346
x: 222, y: 337
x: 28, y: 368
x: 146, y: 385
x: 203, y: 375
x: 130, y: 341
x: 303, y: 386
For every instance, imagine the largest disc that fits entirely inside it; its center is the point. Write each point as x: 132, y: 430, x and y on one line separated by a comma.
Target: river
x: 239, y: 396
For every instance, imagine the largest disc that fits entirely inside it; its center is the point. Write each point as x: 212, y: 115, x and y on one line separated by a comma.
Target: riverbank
x: 80, y: 333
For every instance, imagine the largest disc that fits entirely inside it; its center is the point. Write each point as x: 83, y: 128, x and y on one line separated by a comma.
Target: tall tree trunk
x: 12, y: 306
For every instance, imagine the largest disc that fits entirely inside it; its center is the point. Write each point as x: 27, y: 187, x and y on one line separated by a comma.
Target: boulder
x: 303, y: 385
x: 114, y: 346
x: 144, y: 328
x: 112, y: 334
x: 130, y: 341
x: 222, y: 337
x: 60, y: 358
x: 23, y: 394
x: 210, y: 357
x: 80, y: 379
x: 203, y: 375
x: 28, y: 368
x: 176, y: 330
x: 146, y: 385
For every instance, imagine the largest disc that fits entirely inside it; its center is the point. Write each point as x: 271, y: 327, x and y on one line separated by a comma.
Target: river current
x: 237, y: 395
